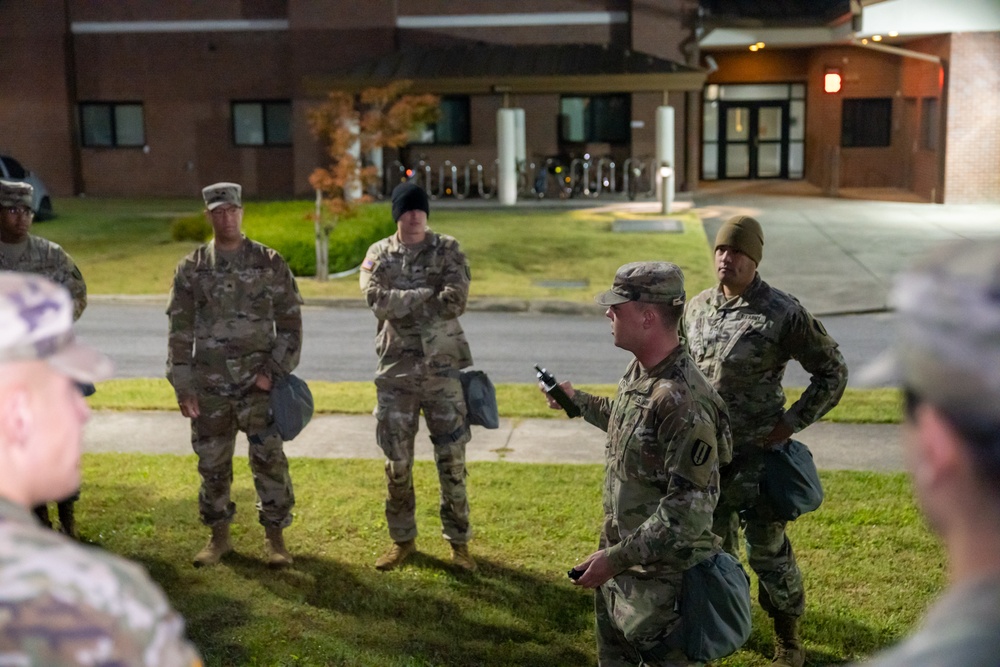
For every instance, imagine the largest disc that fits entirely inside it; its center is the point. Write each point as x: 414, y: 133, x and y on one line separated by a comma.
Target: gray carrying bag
x: 480, y: 399
x: 791, y: 482
x: 291, y: 406
x: 715, y: 609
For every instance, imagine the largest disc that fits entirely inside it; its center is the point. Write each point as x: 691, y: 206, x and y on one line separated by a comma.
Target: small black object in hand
x: 575, y: 574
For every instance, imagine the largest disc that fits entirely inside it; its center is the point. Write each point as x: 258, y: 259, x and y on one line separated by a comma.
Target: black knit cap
x: 409, y: 197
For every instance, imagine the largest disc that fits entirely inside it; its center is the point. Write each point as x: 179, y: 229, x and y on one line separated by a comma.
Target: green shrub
x: 286, y: 227
x: 191, y: 228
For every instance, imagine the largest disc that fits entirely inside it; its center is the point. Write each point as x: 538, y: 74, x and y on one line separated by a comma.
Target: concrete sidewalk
x: 835, y: 446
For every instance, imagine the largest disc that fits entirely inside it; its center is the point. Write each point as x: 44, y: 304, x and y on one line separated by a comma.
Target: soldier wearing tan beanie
x: 742, y: 334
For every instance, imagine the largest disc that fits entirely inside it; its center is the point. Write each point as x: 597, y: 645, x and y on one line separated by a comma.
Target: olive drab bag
x: 791, y: 482
x: 480, y: 399
x: 714, y: 609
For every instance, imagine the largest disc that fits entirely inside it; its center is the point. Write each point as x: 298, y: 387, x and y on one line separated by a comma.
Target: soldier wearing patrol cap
x: 742, y: 334
x: 235, y: 331
x: 668, y: 434
x: 416, y: 282
x: 946, y: 359
x: 24, y: 252
x: 63, y: 603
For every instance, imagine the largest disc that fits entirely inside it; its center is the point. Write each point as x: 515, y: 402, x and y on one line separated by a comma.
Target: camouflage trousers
x: 633, y: 618
x: 400, y: 401
x: 779, y: 581
x: 213, y: 436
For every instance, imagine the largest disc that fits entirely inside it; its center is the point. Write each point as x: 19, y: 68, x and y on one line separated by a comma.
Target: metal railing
x: 551, y: 177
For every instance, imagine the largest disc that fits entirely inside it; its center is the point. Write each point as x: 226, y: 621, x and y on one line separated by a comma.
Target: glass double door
x: 753, y: 139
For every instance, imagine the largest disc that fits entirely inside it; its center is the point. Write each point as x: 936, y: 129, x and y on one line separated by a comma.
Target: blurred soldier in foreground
x: 742, y: 334
x: 668, y: 433
x: 417, y: 282
x: 63, y: 603
x: 946, y: 359
x: 24, y: 252
x: 235, y: 330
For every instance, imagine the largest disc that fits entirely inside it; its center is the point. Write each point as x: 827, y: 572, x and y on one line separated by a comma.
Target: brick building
x: 158, y: 98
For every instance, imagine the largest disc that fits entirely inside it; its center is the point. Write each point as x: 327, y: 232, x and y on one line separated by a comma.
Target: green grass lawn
x: 870, y: 566
x: 124, y: 246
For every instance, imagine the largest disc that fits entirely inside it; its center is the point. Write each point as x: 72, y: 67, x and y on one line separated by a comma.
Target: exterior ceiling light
x: 876, y: 38
x: 893, y: 34
x: 832, y: 81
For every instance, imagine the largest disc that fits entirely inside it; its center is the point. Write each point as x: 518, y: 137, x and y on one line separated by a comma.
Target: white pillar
x: 507, y: 155
x: 520, y: 143
x: 352, y: 188
x: 666, y: 166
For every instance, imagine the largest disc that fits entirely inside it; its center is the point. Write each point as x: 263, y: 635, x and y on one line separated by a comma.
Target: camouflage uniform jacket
x: 67, y: 604
x: 230, y: 320
x: 49, y: 259
x: 668, y: 433
x: 417, y: 294
x: 743, y: 346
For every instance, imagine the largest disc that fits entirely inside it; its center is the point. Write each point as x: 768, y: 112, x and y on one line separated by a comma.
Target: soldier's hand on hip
x: 779, y: 434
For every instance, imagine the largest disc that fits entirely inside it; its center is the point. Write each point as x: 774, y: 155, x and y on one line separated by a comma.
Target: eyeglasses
x: 18, y: 210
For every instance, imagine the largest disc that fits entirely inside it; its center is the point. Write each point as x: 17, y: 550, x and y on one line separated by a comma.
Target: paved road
x: 338, y: 342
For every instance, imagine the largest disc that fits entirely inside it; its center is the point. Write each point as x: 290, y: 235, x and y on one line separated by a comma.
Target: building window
x: 929, y: 123
x: 599, y: 118
x: 866, y: 123
x: 112, y: 124
x: 262, y: 123
x: 452, y: 126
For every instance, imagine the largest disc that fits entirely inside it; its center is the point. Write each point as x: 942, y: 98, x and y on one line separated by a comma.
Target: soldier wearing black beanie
x: 409, y: 197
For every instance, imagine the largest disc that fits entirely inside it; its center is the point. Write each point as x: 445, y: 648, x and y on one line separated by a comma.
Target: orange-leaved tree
x: 353, y: 127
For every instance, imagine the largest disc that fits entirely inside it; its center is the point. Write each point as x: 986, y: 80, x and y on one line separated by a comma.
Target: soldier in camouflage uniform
x: 24, y: 252
x: 63, y: 603
x: 235, y: 330
x: 946, y: 359
x: 668, y: 434
x: 742, y: 334
x: 417, y: 282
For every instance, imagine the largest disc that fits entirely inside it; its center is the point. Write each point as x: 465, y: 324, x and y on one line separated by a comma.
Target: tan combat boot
x: 277, y: 555
x: 788, y: 651
x: 217, y: 547
x: 460, y: 556
x: 394, y: 557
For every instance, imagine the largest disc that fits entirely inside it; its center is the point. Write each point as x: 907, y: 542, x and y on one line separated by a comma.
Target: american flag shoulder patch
x: 368, y: 264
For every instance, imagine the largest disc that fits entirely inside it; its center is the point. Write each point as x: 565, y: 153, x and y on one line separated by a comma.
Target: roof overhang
x: 473, y: 68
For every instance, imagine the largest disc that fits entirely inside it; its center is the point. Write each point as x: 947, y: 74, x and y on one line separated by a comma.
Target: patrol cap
x: 947, y: 347
x: 649, y: 282
x: 218, y: 194
x: 409, y: 197
x: 16, y: 193
x: 36, y: 323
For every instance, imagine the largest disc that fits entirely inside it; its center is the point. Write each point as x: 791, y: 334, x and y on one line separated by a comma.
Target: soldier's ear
x: 16, y: 418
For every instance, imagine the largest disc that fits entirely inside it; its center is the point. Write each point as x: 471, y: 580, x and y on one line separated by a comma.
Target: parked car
x: 12, y: 170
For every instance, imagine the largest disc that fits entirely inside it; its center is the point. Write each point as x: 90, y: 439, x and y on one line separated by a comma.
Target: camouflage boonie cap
x: 649, y: 282
x: 16, y: 193
x: 947, y: 347
x: 36, y: 323
x: 222, y: 193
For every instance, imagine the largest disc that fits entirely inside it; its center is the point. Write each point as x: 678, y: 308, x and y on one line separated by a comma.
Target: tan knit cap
x: 743, y: 233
